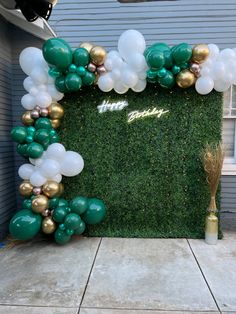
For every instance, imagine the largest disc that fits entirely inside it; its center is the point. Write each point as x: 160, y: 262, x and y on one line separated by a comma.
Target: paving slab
x: 36, y: 310
x: 218, y: 263
x: 115, y: 311
x: 42, y: 273
x: 153, y: 274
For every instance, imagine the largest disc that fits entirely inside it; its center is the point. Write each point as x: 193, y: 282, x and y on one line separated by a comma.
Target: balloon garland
x: 58, y: 69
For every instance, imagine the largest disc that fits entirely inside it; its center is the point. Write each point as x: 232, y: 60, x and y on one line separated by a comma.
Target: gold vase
x: 211, y: 223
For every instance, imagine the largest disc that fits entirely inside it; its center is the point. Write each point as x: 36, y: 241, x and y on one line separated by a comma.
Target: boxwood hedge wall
x: 148, y: 172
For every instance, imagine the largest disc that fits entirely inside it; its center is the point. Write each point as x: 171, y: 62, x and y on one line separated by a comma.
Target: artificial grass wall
x: 147, y: 172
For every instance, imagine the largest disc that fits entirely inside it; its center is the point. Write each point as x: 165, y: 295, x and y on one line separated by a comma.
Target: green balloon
x: 34, y: 150
x: 69, y: 232
x: 29, y: 139
x: 53, y: 202
x: 54, y: 138
x: 27, y: 204
x: 19, y: 134
x: 61, y: 237
x: 72, y: 221
x: 151, y: 74
x: 155, y: 59
x: 25, y: 224
x: 63, y: 202
x: 95, y: 212
x: 22, y: 149
x: 53, y: 72
x: 168, y: 81
x: 182, y: 53
x: 60, y: 84
x: 175, y: 69
x: 184, y: 66
x: 72, y: 68
x: 81, y: 71
x: 73, y: 82
x: 79, y: 205
x: 41, y: 136
x: 43, y: 123
x: 162, y: 72
x: 59, y: 213
x: 57, y: 52
x: 80, y: 229
x: 88, y: 78
x: 81, y: 57
x: 157, y: 46
x: 168, y: 59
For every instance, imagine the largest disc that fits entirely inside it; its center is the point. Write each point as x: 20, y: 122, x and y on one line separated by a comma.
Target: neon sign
x: 136, y: 115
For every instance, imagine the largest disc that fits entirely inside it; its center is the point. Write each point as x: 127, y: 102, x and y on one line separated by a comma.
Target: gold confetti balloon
x: 26, y: 188
x: 185, y: 79
x: 98, y: 55
x: 200, y: 53
x: 86, y: 45
x: 48, y: 225
x: 55, y: 111
x: 51, y: 188
x: 55, y: 123
x: 26, y: 118
x: 40, y: 203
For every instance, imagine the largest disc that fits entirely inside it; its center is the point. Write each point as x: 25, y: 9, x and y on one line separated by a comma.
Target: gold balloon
x: 26, y: 188
x: 98, y: 55
x: 48, y: 225
x: 39, y: 203
x: 55, y: 111
x: 26, y: 118
x: 200, y: 53
x: 61, y: 189
x: 51, y: 188
x: 185, y: 79
x: 87, y: 46
x: 55, y: 123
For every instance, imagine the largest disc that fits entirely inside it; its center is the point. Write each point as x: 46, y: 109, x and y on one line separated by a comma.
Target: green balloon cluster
x: 67, y: 67
x: 71, y: 218
x: 32, y: 141
x: 166, y: 62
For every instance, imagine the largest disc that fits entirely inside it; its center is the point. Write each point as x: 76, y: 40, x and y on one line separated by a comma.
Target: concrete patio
x: 119, y: 276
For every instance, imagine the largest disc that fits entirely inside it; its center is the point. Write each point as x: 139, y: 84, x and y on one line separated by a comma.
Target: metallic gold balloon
x: 61, y: 189
x: 51, y: 188
x: 40, y: 203
x: 98, y: 55
x: 87, y: 46
x: 200, y: 53
x: 185, y: 79
x: 26, y: 118
x: 55, y: 111
x: 55, y: 123
x: 48, y: 225
x: 26, y: 188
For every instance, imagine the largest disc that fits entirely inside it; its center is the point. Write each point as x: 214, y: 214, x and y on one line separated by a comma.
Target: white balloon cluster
x: 54, y: 163
x: 218, y: 71
x: 39, y: 84
x: 126, y: 68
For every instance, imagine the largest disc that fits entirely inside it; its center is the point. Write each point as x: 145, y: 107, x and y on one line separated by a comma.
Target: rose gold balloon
x: 48, y: 225
x: 55, y: 111
x: 101, y: 69
x: 194, y: 67
x: 51, y: 188
x: 37, y: 191
x: 44, y: 112
x: 98, y: 55
x: 185, y: 79
x: 27, y: 119
x: 35, y: 114
x: 39, y: 203
x: 46, y: 213
x: 26, y: 188
x: 55, y: 123
x: 92, y: 67
x: 87, y: 46
x: 200, y: 53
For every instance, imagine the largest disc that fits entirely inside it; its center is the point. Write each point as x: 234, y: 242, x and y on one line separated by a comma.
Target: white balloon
x: 142, y: 75
x: 218, y: 70
x: 39, y: 75
x: 28, y: 83
x: 56, y: 151
x: 221, y: 85
x: 51, y: 80
x: 120, y: 88
x: 33, y: 91
x: 204, y: 85
x: 137, y: 62
x: 105, y: 82
x: 57, y: 178
x: 49, y: 168
x: 55, y: 94
x: 227, y: 54
x: 42, y: 87
x: 129, y: 78
x: 25, y: 171
x: 38, y: 161
x: 28, y: 102
x: 116, y: 74
x: 29, y: 58
x: 140, y: 86
x: 113, y: 54
x: 72, y: 164
x: 131, y: 41
x: 214, y: 51
x: 108, y: 64
x: 37, y: 179
x: 43, y: 99
x: 205, y: 71
x: 32, y: 160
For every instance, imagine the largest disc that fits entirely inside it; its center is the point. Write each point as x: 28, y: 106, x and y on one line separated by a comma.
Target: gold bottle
x: 211, y: 223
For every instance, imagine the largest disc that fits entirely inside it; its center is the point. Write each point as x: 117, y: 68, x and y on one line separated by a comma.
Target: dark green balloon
x: 63, y: 202
x: 57, y: 52
x: 152, y: 74
x: 43, y: 123
x: 22, y: 149
x: 60, y: 84
x: 81, y: 71
x: 27, y: 204
x: 25, y: 224
x: 41, y: 136
x: 162, y: 72
x: 34, y: 150
x: 175, y: 69
x: 59, y: 213
x: 80, y: 229
x: 61, y: 237
x: 53, y: 202
x: 19, y: 134
x: 73, y: 82
x: 155, y: 59
x: 95, y: 213
x: 53, y: 72
x: 54, y: 138
x: 88, y: 78
x: 81, y: 57
x: 72, y: 68
x: 72, y: 221
x: 157, y: 46
x: 168, y: 81
x: 168, y: 59
x: 79, y: 205
x: 182, y: 53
